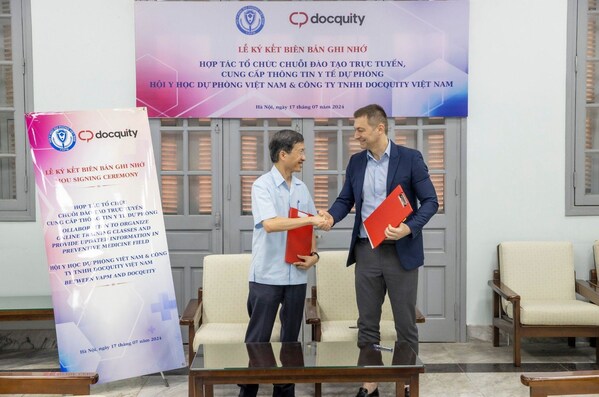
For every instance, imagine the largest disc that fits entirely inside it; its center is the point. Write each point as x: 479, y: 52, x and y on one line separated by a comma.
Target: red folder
x: 392, y: 211
x: 299, y: 240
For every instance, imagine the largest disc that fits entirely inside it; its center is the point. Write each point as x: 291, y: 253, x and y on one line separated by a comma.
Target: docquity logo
x: 250, y: 20
x: 300, y: 18
x: 62, y: 138
x: 87, y: 135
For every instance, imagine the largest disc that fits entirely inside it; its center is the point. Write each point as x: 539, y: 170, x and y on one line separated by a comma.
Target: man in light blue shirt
x: 273, y: 282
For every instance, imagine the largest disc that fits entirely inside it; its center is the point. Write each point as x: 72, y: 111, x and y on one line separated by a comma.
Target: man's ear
x: 282, y: 154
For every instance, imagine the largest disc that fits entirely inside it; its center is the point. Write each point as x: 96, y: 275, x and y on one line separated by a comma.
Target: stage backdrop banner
x: 112, y: 287
x: 302, y: 59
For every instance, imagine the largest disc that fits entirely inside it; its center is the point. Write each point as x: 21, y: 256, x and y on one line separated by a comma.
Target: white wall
x: 516, y: 139
x: 83, y: 54
x: 84, y: 58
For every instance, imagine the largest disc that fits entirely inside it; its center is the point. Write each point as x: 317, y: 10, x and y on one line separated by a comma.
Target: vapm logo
x: 300, y: 18
x: 250, y: 20
x: 62, y: 138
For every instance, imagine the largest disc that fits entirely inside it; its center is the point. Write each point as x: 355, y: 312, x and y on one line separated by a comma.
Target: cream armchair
x: 219, y: 315
x: 534, y: 294
x: 332, y: 311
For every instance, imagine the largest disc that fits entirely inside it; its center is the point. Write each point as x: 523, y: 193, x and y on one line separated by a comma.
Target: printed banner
x: 302, y: 59
x: 112, y: 287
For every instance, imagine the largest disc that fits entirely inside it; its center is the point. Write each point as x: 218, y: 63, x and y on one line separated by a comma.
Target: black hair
x: 283, y: 140
x: 375, y: 115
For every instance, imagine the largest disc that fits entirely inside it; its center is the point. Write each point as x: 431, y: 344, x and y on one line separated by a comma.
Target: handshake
x: 323, y: 221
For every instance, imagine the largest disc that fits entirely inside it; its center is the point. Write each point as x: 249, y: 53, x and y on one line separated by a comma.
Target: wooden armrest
x: 559, y: 383
x: 589, y: 290
x: 420, y: 317
x: 189, y: 313
x: 503, y: 290
x: 192, y: 318
x: 312, y: 311
x: 47, y: 382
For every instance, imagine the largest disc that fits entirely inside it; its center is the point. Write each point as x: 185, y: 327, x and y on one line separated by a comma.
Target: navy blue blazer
x: 406, y: 168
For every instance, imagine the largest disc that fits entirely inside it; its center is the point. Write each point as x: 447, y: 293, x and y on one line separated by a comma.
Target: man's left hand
x: 307, y: 261
x: 396, y: 233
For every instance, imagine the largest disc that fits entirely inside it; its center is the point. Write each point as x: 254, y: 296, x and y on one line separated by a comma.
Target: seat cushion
x: 550, y: 312
x: 336, y: 283
x: 225, y: 288
x: 336, y: 331
x: 538, y: 270
x: 227, y: 333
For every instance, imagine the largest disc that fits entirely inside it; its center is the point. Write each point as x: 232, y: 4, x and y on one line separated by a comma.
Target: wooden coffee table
x: 313, y: 362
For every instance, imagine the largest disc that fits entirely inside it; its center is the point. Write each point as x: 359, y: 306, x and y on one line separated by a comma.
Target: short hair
x: 283, y: 140
x: 374, y: 113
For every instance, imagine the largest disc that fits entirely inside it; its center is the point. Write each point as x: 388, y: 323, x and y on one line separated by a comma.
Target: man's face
x: 365, y: 134
x: 295, y: 158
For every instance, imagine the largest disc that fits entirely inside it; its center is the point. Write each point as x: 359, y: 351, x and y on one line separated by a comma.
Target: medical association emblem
x: 250, y: 20
x: 62, y: 138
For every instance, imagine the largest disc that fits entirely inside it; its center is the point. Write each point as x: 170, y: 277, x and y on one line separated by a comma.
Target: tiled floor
x: 474, y: 369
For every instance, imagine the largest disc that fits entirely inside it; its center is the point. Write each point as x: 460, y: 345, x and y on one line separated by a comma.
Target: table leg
x: 400, y: 389
x: 191, y: 385
x: 209, y: 391
x: 414, y: 385
x: 318, y: 389
x: 199, y: 387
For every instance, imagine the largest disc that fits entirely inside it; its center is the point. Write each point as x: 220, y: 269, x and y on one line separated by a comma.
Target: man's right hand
x: 320, y: 222
x: 328, y: 220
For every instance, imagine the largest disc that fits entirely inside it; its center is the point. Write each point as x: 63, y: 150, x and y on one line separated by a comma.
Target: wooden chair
x: 47, y: 382
x: 332, y: 311
x: 219, y: 315
x: 593, y: 272
x: 534, y: 294
x: 544, y: 384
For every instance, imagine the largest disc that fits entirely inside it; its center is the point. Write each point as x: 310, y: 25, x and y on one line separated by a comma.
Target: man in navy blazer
x: 393, y: 266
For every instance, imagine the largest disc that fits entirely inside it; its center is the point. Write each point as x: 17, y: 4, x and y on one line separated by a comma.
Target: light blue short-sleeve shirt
x: 374, y: 190
x: 271, y: 197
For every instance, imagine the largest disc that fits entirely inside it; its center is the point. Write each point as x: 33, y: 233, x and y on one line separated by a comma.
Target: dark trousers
x: 263, y: 303
x: 378, y: 271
